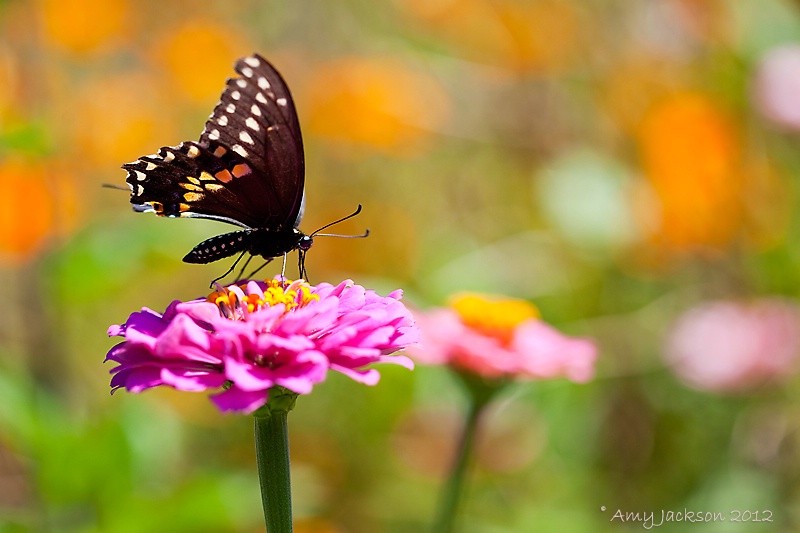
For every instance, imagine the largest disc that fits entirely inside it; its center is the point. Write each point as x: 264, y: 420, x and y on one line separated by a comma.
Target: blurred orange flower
x: 34, y: 196
x: 198, y: 56
x: 381, y: 103
x: 83, y: 26
x: 539, y: 35
x: 690, y: 153
x: 121, y: 118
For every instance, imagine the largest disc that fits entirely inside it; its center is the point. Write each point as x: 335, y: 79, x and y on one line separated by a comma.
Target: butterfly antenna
x: 326, y: 226
x: 213, y: 281
x: 351, y: 215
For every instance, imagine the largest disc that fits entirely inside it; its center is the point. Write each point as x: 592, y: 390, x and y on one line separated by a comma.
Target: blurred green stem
x: 479, y: 397
x: 272, y: 457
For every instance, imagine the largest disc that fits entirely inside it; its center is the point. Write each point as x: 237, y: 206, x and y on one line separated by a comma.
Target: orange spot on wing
x: 241, y: 170
x: 224, y: 176
x: 192, y: 196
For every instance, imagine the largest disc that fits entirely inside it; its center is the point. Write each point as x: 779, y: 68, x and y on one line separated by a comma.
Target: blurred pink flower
x: 777, y: 86
x: 254, y: 336
x: 731, y: 346
x: 501, y: 338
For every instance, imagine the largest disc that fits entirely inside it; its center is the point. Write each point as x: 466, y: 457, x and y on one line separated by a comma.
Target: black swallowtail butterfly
x: 247, y: 169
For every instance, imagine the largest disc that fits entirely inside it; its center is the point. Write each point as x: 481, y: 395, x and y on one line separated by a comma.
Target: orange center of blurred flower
x: 292, y: 294
x: 493, y: 316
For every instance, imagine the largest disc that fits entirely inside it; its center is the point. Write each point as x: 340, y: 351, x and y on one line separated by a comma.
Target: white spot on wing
x: 252, y: 124
x: 169, y: 157
x: 263, y: 83
x: 247, y: 71
x: 245, y: 137
x: 236, y: 95
x: 231, y: 108
x: 139, y: 190
x: 141, y: 176
x: 223, y: 120
x: 255, y: 110
x: 252, y: 61
x: 239, y: 150
x: 281, y: 101
x: 241, y: 83
x: 214, y: 135
x: 261, y: 98
x: 151, y: 166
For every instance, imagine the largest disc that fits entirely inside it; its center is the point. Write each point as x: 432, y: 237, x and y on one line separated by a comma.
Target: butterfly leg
x: 301, y: 264
x: 213, y: 281
x: 283, y: 268
x: 241, y: 270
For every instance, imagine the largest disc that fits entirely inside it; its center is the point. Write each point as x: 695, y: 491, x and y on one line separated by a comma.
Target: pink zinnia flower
x: 732, y: 347
x: 500, y: 338
x: 254, y: 336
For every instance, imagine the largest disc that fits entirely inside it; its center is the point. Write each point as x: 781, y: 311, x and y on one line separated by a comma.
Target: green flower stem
x: 272, y: 457
x: 480, y: 394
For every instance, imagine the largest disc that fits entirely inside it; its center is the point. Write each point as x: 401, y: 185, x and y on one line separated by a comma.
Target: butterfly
x: 247, y: 169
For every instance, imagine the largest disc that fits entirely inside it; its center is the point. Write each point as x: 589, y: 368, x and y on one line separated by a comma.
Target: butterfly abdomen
x: 259, y: 241
x: 219, y: 247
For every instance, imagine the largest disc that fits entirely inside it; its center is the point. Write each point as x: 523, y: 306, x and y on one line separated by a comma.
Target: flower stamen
x: 493, y: 316
x: 237, y: 301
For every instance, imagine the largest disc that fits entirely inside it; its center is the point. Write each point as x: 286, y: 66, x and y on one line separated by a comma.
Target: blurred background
x: 629, y: 167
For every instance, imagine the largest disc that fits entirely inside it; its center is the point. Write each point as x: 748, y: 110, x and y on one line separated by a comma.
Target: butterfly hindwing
x: 190, y: 180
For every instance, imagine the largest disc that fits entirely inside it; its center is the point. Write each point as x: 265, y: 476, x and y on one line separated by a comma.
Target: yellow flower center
x: 234, y: 304
x: 492, y: 315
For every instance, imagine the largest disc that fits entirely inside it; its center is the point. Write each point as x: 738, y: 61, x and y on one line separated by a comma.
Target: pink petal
x: 235, y: 400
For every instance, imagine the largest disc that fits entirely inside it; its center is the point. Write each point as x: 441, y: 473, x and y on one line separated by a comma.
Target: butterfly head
x: 305, y: 242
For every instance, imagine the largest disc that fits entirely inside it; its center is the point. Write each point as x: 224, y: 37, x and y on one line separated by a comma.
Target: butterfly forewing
x: 246, y: 169
x: 256, y: 120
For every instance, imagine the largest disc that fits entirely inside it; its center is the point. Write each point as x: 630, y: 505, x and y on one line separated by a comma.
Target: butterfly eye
x: 305, y: 242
